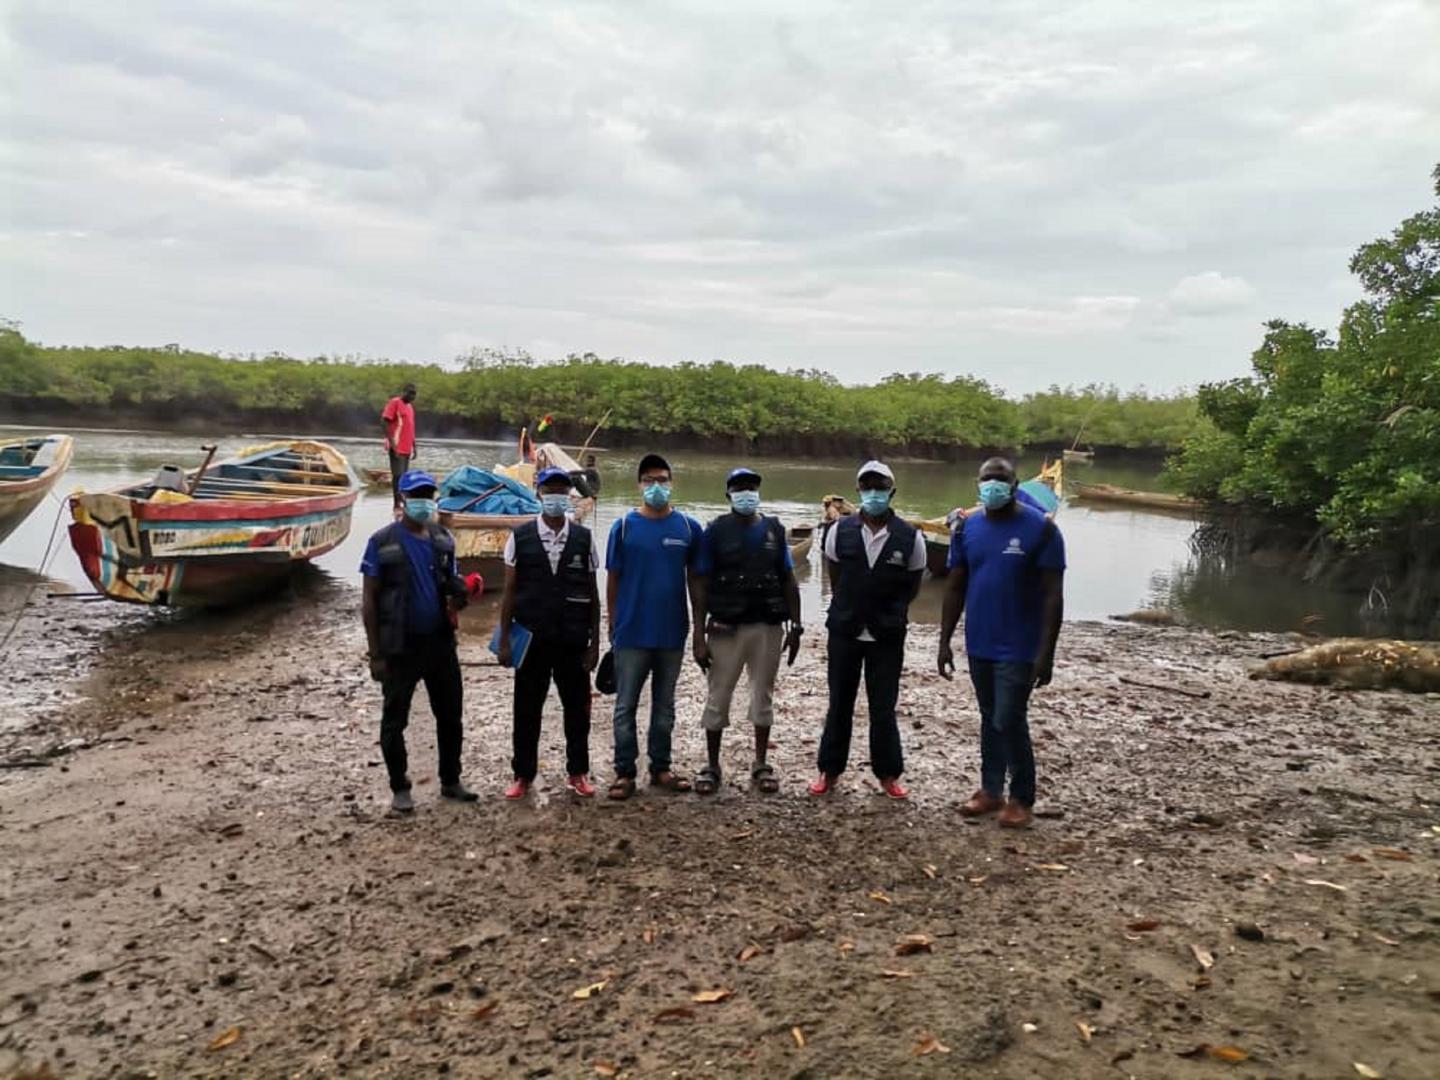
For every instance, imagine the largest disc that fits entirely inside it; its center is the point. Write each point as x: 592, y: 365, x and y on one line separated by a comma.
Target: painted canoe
x: 1138, y: 500
x: 800, y: 538
x: 376, y: 478
x: 29, y: 468
x: 219, y: 534
x: 480, y: 538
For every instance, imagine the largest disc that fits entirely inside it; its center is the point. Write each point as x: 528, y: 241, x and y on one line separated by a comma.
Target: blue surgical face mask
x: 874, y: 502
x: 657, y: 496
x: 555, y: 505
x: 995, y: 494
x: 745, y: 502
x: 421, y: 510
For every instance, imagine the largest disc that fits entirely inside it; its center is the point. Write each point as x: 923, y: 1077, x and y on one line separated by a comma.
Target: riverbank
x: 214, y: 868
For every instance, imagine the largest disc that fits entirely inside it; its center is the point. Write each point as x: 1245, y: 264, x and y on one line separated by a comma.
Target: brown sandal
x: 670, y: 781
x: 622, y: 788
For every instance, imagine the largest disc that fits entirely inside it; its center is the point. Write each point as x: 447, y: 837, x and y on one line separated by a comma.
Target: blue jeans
x: 1002, y: 689
x: 632, y: 668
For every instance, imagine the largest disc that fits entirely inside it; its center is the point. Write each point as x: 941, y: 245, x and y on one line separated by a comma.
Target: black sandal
x: 763, y: 776
x: 707, y: 781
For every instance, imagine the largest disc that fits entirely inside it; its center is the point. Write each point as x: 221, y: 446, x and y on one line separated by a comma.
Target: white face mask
x: 553, y: 505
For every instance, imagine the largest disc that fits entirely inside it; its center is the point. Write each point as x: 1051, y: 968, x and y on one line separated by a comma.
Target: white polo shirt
x: 553, y: 541
x: 875, y: 540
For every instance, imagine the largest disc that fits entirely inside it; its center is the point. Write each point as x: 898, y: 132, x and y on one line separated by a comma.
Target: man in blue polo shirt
x: 649, y: 565
x: 1007, y: 569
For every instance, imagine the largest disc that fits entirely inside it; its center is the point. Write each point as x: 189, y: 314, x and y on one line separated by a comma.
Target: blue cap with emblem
x: 742, y: 473
x: 550, y: 475
x: 415, y: 480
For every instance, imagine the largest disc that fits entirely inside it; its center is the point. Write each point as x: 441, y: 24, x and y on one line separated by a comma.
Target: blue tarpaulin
x: 458, y: 493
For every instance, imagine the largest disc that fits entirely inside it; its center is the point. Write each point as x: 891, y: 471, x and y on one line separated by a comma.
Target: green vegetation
x: 492, y: 391
x: 1344, y: 430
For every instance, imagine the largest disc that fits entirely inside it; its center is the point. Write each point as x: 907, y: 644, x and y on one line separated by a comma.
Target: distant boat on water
x: 29, y: 468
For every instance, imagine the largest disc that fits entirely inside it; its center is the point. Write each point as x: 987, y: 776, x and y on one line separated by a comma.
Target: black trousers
x: 399, y: 466
x: 431, y: 660
x: 880, y: 662
x: 547, y: 661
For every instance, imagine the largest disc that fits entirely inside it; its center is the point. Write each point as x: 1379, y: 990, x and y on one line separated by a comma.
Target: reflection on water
x: 1119, y: 560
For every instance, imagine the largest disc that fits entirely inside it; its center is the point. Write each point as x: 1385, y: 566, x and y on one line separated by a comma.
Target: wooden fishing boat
x: 480, y: 538
x: 375, y: 478
x: 800, y: 538
x: 1082, y: 456
x: 28, y: 470
x: 1138, y: 500
x: 217, y: 534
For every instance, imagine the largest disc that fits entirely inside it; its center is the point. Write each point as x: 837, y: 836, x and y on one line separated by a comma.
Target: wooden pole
x: 200, y: 472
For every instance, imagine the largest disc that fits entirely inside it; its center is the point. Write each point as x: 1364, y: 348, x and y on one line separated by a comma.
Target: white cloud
x: 941, y: 186
x: 1210, y: 293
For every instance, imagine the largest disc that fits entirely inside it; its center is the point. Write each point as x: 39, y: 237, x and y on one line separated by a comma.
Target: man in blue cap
x: 550, y: 566
x: 745, y: 591
x: 411, y: 593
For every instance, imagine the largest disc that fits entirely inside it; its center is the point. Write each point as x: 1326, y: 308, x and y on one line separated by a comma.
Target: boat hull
x: 18, y: 499
x: 227, y: 540
x: 480, y: 539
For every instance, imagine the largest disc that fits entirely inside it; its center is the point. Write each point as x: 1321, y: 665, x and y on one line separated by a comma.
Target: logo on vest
x: 576, y: 563
x: 1014, y: 547
x: 897, y: 558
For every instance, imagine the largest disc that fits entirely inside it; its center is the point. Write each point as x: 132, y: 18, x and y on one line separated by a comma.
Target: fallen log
x: 1359, y: 664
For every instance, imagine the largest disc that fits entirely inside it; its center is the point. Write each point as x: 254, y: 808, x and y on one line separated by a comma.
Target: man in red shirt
x: 399, y: 423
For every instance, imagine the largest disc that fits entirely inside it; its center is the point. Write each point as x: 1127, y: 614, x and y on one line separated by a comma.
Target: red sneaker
x: 823, y: 785
x: 518, y: 790
x: 580, y: 785
x: 891, y: 786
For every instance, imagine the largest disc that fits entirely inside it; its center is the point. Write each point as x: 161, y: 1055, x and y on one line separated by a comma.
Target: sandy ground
x: 210, y: 884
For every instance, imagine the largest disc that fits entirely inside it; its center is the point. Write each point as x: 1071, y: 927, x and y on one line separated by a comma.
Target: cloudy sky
x: 1031, y: 192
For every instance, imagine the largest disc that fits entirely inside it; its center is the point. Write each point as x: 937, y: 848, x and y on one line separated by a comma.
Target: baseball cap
x: 652, y: 461
x: 877, y: 467
x: 545, y: 476
x: 416, y: 479
x: 742, y: 473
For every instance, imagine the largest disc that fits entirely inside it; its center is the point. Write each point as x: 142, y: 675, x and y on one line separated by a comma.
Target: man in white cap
x: 876, y: 563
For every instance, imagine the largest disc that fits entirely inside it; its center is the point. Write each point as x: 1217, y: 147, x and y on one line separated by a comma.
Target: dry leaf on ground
x: 675, y: 1012
x: 880, y: 898
x: 749, y: 953
x: 1141, y: 926
x: 224, y: 1039
x: 1393, y: 854
x: 1231, y: 1054
x: 911, y: 944
x: 590, y: 991
x: 1326, y: 884
x: 607, y: 1068
x: 649, y: 935
x: 712, y: 997
x: 931, y: 870
x: 798, y: 1036
x: 845, y: 946
x: 897, y: 973
x: 1367, y: 1072
x: 929, y: 1044
x: 484, y: 1010
x: 1053, y: 867
x: 1203, y: 957
x: 1086, y: 1031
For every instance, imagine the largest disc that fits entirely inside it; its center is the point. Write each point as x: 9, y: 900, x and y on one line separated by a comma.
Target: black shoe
x: 457, y: 791
x: 402, y: 803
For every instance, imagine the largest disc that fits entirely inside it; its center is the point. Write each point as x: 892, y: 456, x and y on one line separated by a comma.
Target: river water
x: 1119, y: 560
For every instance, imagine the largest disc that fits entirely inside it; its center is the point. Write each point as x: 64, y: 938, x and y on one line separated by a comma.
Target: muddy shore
x: 196, y: 854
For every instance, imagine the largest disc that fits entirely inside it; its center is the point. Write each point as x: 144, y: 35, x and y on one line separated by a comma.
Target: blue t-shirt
x: 652, y: 608
x: 754, y: 537
x: 425, y: 613
x: 1003, y: 598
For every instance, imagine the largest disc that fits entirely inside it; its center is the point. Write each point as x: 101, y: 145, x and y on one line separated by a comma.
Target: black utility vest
x: 747, y: 584
x: 865, y: 598
x: 554, y: 605
x: 394, y: 600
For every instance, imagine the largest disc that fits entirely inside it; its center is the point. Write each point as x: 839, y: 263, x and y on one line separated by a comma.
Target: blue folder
x: 519, y: 643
